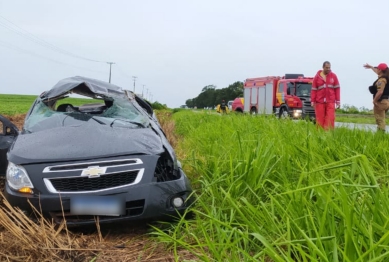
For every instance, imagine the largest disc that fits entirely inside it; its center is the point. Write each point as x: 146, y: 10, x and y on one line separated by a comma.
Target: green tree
x: 210, y: 96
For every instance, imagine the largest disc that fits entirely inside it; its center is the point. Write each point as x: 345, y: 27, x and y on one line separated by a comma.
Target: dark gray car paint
x: 6, y: 140
x: 84, y: 141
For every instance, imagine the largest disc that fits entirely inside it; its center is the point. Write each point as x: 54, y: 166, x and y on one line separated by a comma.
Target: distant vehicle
x: 184, y: 106
x: 230, y: 104
x: 238, y: 105
x: 110, y: 159
x: 287, y: 96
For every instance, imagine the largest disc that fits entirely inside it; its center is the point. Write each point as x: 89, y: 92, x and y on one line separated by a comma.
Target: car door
x: 8, y: 134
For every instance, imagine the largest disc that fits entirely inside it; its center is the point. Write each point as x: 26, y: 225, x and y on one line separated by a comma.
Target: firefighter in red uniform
x: 325, y: 95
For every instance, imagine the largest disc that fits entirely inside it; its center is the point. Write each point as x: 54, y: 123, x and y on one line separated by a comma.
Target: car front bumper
x: 151, y: 201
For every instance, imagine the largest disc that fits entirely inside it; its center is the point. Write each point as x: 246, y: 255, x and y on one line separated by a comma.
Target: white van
x: 230, y: 104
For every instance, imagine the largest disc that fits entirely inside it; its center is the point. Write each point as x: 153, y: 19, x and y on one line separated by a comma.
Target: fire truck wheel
x: 283, y: 113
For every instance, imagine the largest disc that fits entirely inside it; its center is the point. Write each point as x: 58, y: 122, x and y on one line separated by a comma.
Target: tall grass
x: 273, y: 190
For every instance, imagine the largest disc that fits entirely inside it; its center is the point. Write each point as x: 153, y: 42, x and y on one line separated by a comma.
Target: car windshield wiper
x: 129, y: 121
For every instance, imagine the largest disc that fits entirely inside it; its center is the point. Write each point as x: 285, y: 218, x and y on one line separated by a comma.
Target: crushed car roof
x: 83, y: 86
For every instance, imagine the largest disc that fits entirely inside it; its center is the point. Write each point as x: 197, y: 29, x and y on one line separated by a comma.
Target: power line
x: 10, y: 46
x: 24, y: 33
x: 131, y: 77
x: 122, y: 72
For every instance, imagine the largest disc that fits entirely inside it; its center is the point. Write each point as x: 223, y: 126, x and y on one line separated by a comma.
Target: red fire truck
x: 287, y: 96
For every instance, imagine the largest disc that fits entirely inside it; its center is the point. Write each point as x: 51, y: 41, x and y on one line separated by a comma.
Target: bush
x: 176, y: 110
x: 158, y: 106
x: 349, y: 109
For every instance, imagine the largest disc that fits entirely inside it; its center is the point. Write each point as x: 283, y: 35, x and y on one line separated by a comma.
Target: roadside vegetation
x: 277, y: 190
x: 350, y: 109
x: 267, y: 189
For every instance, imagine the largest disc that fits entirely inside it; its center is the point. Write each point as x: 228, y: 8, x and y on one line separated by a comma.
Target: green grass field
x: 356, y: 118
x: 278, y: 190
x: 20, y: 104
x: 269, y: 189
x: 15, y: 104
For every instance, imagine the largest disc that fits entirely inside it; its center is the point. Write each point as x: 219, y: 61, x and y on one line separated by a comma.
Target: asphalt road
x: 367, y: 127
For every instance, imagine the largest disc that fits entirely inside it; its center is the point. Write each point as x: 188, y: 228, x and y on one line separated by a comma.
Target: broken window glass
x: 120, y: 113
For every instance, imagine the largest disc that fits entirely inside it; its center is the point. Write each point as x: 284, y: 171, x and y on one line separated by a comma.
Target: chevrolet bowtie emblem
x: 93, y: 171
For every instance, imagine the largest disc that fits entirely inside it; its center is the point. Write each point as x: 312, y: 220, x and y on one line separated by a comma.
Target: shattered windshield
x: 119, y: 113
x: 303, y: 89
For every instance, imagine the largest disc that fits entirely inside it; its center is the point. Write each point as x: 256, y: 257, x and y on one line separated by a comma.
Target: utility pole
x: 147, y: 93
x: 110, y: 67
x: 134, y: 77
x: 143, y: 90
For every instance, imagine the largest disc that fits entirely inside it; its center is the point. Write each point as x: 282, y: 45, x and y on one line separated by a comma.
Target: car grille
x: 308, y: 109
x: 81, y: 166
x: 80, y: 183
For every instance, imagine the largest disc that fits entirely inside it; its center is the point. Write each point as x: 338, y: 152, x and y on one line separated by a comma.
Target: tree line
x: 210, y: 96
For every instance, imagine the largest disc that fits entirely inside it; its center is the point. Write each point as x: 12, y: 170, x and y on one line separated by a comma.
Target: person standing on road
x: 325, y: 95
x: 380, y: 91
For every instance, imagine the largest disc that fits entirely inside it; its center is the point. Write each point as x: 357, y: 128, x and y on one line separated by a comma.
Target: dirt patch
x: 168, y: 127
x: 25, y: 240
x: 17, y: 120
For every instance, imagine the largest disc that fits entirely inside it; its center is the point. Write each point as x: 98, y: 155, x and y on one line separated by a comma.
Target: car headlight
x: 18, y: 179
x: 178, y: 202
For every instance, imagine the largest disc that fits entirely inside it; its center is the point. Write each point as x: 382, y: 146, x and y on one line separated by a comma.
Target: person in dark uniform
x: 223, y: 106
x: 380, y: 91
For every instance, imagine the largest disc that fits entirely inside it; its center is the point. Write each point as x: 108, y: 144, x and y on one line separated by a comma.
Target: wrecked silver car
x: 109, y: 159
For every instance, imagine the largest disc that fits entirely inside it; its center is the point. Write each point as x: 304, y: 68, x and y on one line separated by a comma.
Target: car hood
x: 77, y: 143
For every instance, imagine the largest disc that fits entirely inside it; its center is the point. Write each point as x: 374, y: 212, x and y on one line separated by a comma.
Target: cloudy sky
x: 175, y: 48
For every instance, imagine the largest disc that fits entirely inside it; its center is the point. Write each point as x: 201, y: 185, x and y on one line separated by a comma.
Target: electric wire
x: 26, y: 34
x: 18, y: 49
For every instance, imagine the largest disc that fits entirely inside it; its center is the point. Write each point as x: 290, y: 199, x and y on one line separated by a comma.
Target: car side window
x: 290, y: 90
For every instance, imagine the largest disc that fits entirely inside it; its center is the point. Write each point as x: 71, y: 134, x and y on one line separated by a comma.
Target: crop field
x: 266, y: 189
x: 356, y: 118
x: 20, y: 104
x: 11, y: 105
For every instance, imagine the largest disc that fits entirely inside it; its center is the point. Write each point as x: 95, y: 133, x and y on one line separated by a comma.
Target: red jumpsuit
x: 325, y: 94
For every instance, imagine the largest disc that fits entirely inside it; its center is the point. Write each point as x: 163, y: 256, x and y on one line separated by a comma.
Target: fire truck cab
x: 287, y: 96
